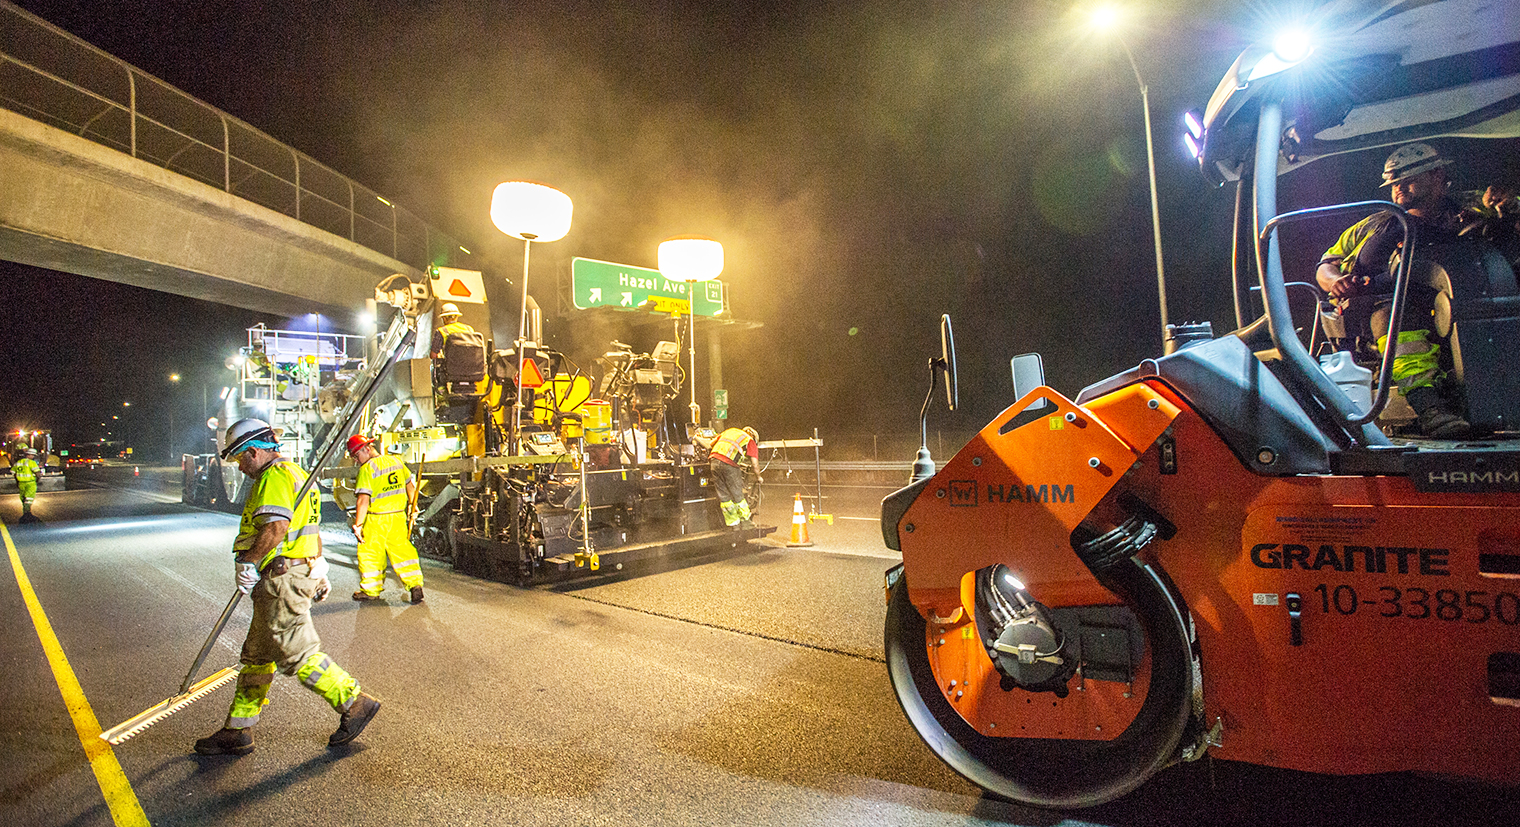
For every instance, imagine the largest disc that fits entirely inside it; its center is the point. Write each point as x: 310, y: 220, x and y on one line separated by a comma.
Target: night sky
x: 867, y: 165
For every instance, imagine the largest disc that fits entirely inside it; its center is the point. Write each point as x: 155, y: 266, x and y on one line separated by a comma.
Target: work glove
x: 319, y: 573
x: 247, y: 576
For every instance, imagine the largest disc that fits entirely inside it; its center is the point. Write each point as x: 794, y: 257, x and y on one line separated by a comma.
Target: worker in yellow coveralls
x: 25, y: 471
x: 382, y: 521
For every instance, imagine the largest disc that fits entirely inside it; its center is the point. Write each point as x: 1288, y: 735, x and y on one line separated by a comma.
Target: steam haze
x: 867, y: 167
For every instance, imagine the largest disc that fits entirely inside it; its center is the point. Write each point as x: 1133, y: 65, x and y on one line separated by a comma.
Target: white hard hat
x: 1410, y: 160
x: 449, y: 309
x: 753, y: 434
x: 245, y: 431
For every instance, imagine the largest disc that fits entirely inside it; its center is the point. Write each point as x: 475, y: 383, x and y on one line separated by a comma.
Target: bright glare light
x: 1192, y: 145
x: 690, y: 258
x: 366, y: 318
x: 531, y: 212
x: 173, y: 377
x: 1015, y: 582
x: 1106, y: 17
x: 1292, y: 45
x: 1194, y: 126
x: 225, y: 391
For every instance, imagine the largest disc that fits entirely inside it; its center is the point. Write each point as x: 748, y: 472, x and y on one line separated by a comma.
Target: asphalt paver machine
x: 1217, y: 551
x: 546, y: 471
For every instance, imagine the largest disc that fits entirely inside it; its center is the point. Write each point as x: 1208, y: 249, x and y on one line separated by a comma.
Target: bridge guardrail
x: 51, y: 76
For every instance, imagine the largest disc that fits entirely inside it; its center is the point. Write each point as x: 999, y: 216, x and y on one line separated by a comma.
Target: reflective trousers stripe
x: 734, y: 513
x: 319, y: 674
x: 1416, y: 360
x: 386, y: 541
x: 251, y: 695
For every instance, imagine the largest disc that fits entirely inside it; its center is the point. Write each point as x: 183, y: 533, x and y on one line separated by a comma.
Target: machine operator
x: 278, y: 561
x: 724, y: 460
x: 459, y: 366
x: 382, y: 520
x: 1355, y: 272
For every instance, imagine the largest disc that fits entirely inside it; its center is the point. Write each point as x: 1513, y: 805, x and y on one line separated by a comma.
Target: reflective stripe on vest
x: 731, y: 445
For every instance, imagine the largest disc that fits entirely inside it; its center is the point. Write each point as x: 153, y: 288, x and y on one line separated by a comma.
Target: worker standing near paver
x: 727, y: 472
x: 382, y: 521
x: 25, y: 471
x: 278, y: 556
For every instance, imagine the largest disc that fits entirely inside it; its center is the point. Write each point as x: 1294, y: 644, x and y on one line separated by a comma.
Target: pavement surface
x: 746, y: 689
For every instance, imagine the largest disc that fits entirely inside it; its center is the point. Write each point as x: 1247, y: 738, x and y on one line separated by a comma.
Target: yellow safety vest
x: 25, y: 470
x: 384, y: 479
x: 273, y: 498
x: 730, y: 445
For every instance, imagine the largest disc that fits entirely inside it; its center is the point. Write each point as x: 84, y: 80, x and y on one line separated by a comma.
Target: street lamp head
x: 1106, y: 17
x: 690, y: 258
x: 173, y: 377
x: 531, y: 212
x: 1292, y: 45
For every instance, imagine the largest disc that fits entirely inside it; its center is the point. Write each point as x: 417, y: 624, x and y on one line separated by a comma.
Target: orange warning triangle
x: 531, y: 377
x: 458, y: 288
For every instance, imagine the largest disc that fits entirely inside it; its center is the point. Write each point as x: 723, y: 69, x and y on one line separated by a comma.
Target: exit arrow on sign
x: 605, y: 284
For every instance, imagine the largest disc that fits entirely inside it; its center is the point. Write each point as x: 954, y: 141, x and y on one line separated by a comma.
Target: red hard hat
x: 358, y: 441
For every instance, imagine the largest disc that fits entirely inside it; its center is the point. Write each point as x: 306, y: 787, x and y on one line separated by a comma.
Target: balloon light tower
x: 531, y: 212
x: 691, y: 259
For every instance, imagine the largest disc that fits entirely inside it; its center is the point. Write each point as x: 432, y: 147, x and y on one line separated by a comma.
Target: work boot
x: 363, y: 596
x: 744, y: 524
x: 1437, y: 420
x: 360, y: 710
x: 226, y: 742
x: 416, y: 594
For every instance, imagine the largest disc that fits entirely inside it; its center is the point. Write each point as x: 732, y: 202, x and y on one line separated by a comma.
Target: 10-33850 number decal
x: 1418, y: 603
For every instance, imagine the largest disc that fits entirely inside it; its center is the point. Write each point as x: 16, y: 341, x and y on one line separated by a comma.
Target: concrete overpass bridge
x: 108, y: 172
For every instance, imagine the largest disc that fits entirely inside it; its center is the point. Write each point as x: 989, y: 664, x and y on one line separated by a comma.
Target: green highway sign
x: 604, y: 284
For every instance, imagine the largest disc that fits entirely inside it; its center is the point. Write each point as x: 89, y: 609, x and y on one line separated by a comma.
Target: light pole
x: 1106, y: 19
x: 174, y: 379
x: 691, y: 259
x: 531, y: 212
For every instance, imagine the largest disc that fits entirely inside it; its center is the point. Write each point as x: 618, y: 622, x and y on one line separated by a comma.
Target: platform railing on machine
x: 308, y: 359
x: 54, y: 77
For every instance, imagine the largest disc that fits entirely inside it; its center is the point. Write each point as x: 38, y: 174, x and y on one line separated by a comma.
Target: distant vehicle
x: 90, y: 454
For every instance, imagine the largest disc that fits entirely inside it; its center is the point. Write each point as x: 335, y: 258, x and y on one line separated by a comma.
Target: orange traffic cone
x: 800, y: 537
x: 134, y: 470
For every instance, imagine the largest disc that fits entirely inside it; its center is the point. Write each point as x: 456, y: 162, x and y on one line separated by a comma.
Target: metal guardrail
x: 51, y: 76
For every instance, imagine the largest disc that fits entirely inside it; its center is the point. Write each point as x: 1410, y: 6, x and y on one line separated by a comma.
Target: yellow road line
x: 120, y: 798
